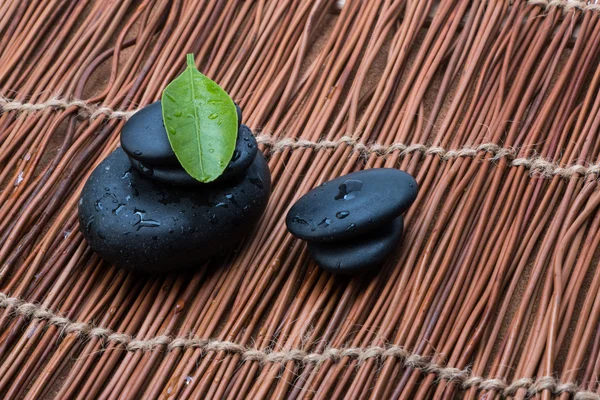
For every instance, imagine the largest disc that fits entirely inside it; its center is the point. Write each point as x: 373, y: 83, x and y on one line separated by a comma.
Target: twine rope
x: 425, y: 364
x: 537, y: 165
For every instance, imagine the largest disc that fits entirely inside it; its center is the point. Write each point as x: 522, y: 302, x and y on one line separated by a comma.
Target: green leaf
x: 201, y: 123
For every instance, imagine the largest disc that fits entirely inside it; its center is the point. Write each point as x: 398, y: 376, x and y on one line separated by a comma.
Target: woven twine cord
x: 538, y: 165
x: 84, y: 330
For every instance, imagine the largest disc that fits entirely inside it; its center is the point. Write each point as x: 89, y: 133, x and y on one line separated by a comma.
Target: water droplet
x: 342, y: 214
x: 188, y: 380
x: 120, y: 208
x: 213, y: 219
x: 351, y: 228
x: 172, y: 131
x: 88, y: 226
x: 232, y: 199
x: 211, y: 150
x: 148, y: 171
x: 143, y: 222
x: 169, y: 96
x: 213, y: 116
x: 127, y: 173
x: 348, y: 189
x: 224, y: 205
x: 251, y: 145
x: 325, y: 223
x: 137, y: 152
x: 296, y: 219
x: 235, y: 156
x: 177, y: 113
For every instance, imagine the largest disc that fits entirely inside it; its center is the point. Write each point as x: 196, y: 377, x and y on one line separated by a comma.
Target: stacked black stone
x: 353, y: 222
x: 142, y: 211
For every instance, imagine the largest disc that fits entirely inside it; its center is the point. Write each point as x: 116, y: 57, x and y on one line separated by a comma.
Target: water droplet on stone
x: 88, y: 226
x: 143, y: 222
x: 146, y: 170
x: 325, y: 223
x: 351, y: 228
x: 299, y: 220
x: 137, y: 153
x: 348, y: 189
x: 342, y: 214
x: 235, y: 156
x: 127, y: 173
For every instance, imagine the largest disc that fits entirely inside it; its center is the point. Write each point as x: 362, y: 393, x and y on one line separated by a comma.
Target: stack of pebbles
x: 142, y: 211
x: 354, y: 222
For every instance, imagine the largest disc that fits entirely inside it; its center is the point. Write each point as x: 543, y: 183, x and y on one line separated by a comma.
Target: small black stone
x: 359, y: 254
x: 243, y: 156
x: 351, y: 205
x: 144, y: 137
x: 142, y: 224
x: 239, y: 114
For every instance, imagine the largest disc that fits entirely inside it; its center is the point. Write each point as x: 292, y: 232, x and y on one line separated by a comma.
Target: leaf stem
x: 190, y: 60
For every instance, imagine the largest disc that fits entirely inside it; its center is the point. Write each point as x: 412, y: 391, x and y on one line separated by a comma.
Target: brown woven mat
x: 494, y: 291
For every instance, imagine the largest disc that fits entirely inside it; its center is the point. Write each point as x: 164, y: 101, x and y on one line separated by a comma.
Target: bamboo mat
x: 494, y: 291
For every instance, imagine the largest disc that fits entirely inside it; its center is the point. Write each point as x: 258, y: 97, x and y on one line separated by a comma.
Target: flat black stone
x: 360, y: 254
x: 144, y: 137
x: 244, y: 154
x: 351, y: 205
x: 144, y: 225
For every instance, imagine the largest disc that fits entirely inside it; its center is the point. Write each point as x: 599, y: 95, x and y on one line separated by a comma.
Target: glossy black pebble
x: 144, y: 137
x: 358, y: 254
x: 352, y: 205
x: 144, y: 225
x: 244, y: 154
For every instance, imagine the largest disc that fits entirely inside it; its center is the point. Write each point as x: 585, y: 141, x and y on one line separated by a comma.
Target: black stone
x: 359, y: 254
x: 144, y: 139
x: 239, y: 114
x: 145, y: 225
x: 352, y: 205
x: 244, y: 154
